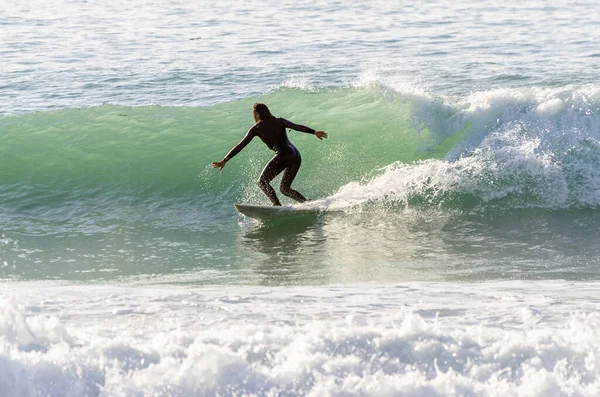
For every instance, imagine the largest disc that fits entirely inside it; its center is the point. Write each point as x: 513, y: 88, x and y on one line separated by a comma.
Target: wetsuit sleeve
x: 297, y: 127
x: 238, y: 148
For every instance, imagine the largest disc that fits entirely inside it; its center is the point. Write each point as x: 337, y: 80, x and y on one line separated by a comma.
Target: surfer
x: 272, y: 131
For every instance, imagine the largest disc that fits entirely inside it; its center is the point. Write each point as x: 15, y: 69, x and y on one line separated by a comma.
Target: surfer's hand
x: 219, y: 164
x: 321, y: 134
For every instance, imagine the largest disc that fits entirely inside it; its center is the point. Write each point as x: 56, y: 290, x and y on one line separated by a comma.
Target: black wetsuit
x: 273, y: 133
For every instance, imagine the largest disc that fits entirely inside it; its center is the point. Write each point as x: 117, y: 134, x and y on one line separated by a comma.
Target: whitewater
x: 456, y: 251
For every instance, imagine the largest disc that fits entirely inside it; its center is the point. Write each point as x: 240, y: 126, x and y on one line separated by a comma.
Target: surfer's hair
x: 262, y: 111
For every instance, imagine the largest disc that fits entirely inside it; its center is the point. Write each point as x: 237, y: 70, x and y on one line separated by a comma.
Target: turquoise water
x: 89, y: 192
x: 456, y: 252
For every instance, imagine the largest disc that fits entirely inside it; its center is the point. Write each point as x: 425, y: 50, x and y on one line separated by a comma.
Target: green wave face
x: 520, y: 148
x: 164, y: 151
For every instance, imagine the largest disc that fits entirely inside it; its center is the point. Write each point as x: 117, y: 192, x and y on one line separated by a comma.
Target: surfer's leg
x: 271, y: 170
x: 293, y: 165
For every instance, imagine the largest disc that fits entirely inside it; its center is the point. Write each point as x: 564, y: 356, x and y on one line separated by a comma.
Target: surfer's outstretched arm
x: 236, y: 149
x: 303, y: 128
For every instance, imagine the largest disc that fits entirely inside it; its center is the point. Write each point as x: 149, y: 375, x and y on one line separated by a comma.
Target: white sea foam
x: 518, y: 339
x: 535, y: 147
x: 301, y: 83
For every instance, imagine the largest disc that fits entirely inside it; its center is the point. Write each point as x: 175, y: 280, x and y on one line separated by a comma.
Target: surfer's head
x: 260, y: 111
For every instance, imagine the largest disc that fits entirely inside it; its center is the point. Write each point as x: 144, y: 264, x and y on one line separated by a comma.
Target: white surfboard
x: 263, y: 212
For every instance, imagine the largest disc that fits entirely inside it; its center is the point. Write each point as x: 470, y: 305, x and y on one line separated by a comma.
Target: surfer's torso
x: 273, y: 133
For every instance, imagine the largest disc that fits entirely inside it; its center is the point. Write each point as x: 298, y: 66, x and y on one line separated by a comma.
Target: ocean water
x: 456, y: 252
